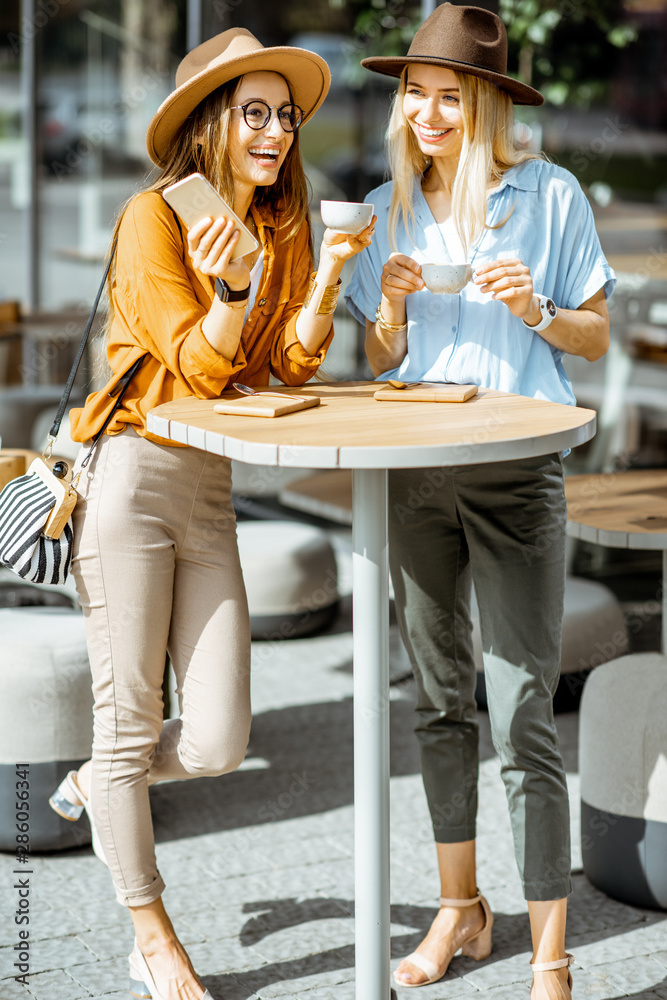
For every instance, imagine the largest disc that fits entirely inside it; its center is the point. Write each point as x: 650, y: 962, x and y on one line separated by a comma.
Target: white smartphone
x: 194, y: 198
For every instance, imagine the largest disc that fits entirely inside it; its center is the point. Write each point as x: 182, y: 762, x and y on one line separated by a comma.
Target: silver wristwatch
x: 549, y: 313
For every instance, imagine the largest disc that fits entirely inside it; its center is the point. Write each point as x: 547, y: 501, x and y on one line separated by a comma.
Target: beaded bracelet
x: 389, y: 327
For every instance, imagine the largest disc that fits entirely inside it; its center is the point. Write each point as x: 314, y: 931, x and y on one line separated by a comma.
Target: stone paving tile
x: 299, y: 974
x: 318, y: 849
x: 591, y: 986
x: 630, y: 975
x: 110, y: 942
x: 343, y: 991
x: 112, y: 996
x: 212, y: 958
x: 303, y: 939
x: 494, y: 972
x: 93, y: 913
x: 643, y: 940
x: 111, y: 976
x: 12, y: 990
x: 45, y: 955
x: 55, y: 986
x: 55, y: 919
x: 451, y: 985
x: 221, y: 892
x: 306, y: 880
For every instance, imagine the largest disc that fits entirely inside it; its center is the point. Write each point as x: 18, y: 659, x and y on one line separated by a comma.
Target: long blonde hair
x: 201, y: 145
x: 488, y: 150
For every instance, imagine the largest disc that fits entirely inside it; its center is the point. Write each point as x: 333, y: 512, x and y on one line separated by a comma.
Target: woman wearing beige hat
x: 462, y: 192
x: 156, y: 559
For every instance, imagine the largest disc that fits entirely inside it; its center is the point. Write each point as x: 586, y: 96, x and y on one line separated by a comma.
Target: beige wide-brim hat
x: 465, y: 39
x: 223, y: 57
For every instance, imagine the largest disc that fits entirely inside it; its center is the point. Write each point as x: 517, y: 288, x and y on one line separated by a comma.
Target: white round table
x: 352, y: 430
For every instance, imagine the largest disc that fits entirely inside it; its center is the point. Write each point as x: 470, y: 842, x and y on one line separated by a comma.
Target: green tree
x: 566, y: 48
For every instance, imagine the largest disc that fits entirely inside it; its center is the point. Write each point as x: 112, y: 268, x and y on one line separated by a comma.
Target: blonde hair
x: 488, y: 150
x: 201, y: 145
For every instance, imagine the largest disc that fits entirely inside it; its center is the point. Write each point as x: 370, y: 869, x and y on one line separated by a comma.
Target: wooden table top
x: 619, y: 509
x: 350, y: 429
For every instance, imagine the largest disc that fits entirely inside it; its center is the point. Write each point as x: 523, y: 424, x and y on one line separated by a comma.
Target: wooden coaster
x: 265, y: 404
x: 428, y: 394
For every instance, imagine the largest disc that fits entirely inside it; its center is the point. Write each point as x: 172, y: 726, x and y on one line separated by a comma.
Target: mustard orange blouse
x: 159, y: 303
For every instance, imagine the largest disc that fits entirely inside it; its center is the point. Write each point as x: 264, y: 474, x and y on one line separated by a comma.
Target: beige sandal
x: 559, y: 963
x: 477, y: 946
x: 69, y: 802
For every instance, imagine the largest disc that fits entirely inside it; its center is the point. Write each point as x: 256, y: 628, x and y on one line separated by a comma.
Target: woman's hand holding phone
x: 211, y: 244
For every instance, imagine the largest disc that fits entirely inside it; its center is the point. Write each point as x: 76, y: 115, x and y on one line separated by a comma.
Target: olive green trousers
x: 501, y: 526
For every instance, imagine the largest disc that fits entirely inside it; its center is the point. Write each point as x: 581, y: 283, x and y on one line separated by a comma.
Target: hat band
x: 487, y: 69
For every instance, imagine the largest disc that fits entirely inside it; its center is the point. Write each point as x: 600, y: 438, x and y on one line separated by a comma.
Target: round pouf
x: 623, y: 771
x: 594, y: 632
x: 46, y: 719
x: 290, y: 576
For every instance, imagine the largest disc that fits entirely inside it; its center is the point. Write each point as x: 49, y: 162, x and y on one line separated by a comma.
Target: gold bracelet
x: 389, y: 327
x: 329, y: 296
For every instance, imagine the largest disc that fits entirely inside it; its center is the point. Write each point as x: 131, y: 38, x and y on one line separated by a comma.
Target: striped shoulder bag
x: 36, y: 533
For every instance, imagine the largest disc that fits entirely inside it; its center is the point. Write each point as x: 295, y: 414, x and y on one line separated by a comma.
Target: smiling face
x: 256, y: 156
x: 432, y: 107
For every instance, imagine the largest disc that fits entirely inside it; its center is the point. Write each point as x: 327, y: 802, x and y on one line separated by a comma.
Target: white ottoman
x: 290, y: 576
x: 623, y: 771
x: 594, y: 632
x: 46, y: 718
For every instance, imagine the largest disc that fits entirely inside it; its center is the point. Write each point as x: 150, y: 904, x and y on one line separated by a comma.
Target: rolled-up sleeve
x: 290, y: 362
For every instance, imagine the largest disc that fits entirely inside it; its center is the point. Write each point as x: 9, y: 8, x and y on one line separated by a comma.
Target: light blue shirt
x: 470, y: 337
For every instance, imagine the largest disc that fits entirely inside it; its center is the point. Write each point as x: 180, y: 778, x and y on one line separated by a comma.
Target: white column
x: 371, y: 733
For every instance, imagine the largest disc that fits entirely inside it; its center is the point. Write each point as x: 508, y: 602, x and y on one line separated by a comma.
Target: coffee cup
x: 346, y: 216
x: 446, y: 278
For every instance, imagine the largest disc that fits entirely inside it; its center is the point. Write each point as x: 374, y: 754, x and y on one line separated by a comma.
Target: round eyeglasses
x: 257, y: 115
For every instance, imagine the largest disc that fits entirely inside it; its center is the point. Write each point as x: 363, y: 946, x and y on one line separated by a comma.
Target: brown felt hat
x: 223, y: 57
x: 465, y: 39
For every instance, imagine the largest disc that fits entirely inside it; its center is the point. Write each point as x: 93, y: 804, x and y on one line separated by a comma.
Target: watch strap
x: 227, y: 294
x: 548, y: 311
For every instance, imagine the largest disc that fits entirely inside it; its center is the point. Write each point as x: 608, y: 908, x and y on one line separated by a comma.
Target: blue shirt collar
x: 523, y: 177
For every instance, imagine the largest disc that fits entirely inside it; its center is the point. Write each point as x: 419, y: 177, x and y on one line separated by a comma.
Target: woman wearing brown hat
x: 463, y: 192
x: 156, y: 558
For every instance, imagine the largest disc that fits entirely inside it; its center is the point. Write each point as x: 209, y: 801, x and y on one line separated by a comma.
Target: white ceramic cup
x: 446, y: 278
x: 346, y: 216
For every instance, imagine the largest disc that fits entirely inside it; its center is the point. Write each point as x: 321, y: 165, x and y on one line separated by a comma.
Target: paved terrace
x: 259, y: 866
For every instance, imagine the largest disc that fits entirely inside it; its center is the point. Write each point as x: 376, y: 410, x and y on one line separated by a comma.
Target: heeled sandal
x: 72, y: 810
x: 142, y: 984
x: 559, y: 963
x: 477, y: 946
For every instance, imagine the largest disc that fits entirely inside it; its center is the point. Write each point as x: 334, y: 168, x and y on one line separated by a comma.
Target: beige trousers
x: 157, y: 569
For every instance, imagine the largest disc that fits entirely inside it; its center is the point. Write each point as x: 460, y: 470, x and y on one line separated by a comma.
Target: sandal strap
x: 428, y: 967
x: 460, y: 902
x: 560, y: 963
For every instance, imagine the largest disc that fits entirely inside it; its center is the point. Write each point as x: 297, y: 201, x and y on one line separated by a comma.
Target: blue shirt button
x: 453, y: 329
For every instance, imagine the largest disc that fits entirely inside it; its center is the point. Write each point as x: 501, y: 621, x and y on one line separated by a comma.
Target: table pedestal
x: 371, y: 732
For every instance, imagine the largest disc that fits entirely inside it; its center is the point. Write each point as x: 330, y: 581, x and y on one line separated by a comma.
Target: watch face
x: 551, y: 307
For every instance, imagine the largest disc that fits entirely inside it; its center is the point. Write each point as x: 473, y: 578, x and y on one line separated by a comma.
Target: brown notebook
x: 426, y: 393
x: 266, y: 404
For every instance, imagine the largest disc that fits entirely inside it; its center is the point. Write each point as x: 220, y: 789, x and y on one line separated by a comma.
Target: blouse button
x: 262, y: 302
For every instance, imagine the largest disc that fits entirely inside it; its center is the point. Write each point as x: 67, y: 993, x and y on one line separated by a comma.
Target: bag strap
x: 55, y: 427
x: 119, y: 391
